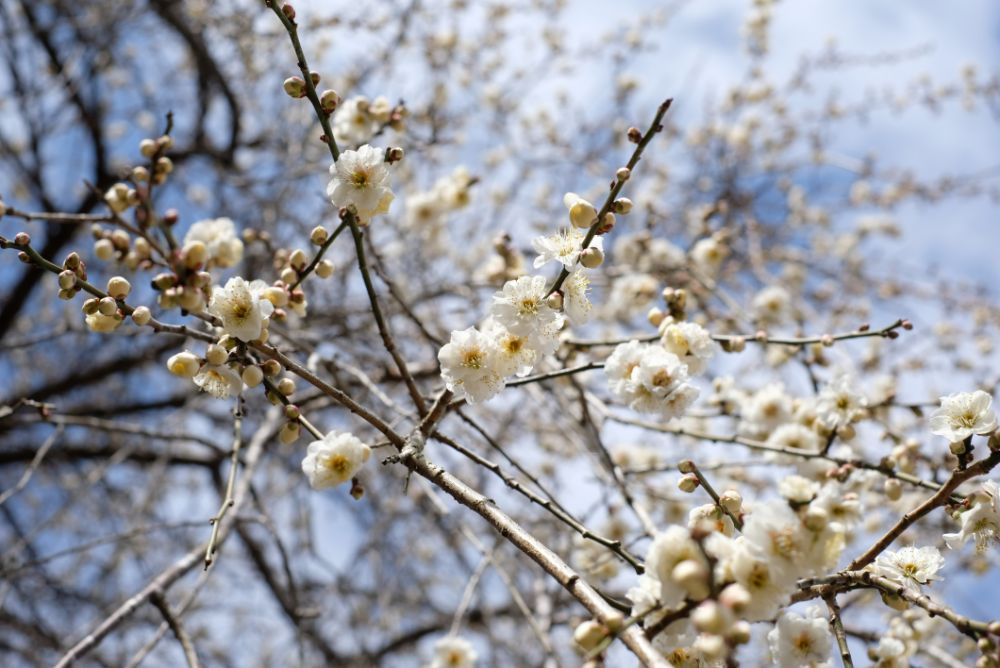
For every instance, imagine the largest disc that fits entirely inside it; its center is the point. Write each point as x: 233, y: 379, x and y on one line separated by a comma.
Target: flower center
x: 803, y: 643
x: 513, y: 345
x: 473, y: 358
x: 360, y: 179
x: 783, y: 543
x: 338, y: 464
x: 528, y: 305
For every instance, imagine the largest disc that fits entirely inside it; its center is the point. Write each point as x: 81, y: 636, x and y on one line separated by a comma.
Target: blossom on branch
x: 334, y: 460
x: 361, y: 179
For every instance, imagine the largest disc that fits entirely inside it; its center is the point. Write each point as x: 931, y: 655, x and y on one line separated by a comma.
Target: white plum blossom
x: 514, y: 354
x: 224, y: 247
x: 910, y: 566
x: 797, y: 489
x: 769, y: 584
x: 800, y: 642
x: 981, y: 523
x: 334, y: 460
x: 470, y: 365
x: 665, y: 553
x: 242, y: 307
x: 765, y: 410
x: 361, y: 178
x: 522, y: 308
x: 353, y: 122
x: 454, y: 652
x: 650, y: 379
x: 691, y: 343
x: 219, y: 380
x: 772, y: 305
x: 840, y: 403
x: 707, y: 255
x: 564, y: 247
x: 964, y: 414
x: 576, y: 303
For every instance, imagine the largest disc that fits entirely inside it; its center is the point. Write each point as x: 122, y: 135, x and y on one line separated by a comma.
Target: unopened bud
x: 735, y: 597
x: 957, y: 448
x: 184, y: 364
x: 319, y: 235
x: 623, y: 174
x: 394, y: 155
x: 119, y: 287
x: 195, y: 253
x: 141, y: 315
x: 731, y: 501
x: 140, y: 174
x: 148, y: 148
x: 555, y: 301
x: 589, y: 634
x: 275, y: 295
x: 164, y: 165
x: 295, y: 87
x: 288, y: 11
x: 709, y: 618
x: 324, y: 269
x: 286, y: 386
x: 816, y: 519
x: 739, y: 633
x: 592, y: 257
x: 216, y: 355
x: 298, y: 259
x: 634, y: 135
x: 607, y: 223
x: 22, y: 239
x: 67, y: 279
x: 89, y: 306
x: 253, y: 376
x: 289, y: 275
x: 289, y: 433
x: 329, y: 101
x: 623, y: 206
x: 582, y: 214
x: 692, y: 576
x: 688, y: 483
x: 655, y: 316
x: 893, y: 489
x: 271, y: 368
x: 107, y: 306
x: 686, y: 466
x: 292, y: 412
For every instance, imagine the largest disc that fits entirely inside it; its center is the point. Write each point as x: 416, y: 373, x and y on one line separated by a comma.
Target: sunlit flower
x: 910, y: 566
x: 334, y: 460
x: 453, y: 652
x: 219, y: 380
x: 964, y: 414
x: 361, y: 178
x: 242, y: 307
x: 224, y: 247
x: 469, y: 365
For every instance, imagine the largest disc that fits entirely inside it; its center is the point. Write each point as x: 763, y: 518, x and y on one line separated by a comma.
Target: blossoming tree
x: 520, y: 386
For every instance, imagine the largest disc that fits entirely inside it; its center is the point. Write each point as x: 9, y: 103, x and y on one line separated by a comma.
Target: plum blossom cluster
x: 358, y: 119
x: 427, y: 211
x: 525, y: 315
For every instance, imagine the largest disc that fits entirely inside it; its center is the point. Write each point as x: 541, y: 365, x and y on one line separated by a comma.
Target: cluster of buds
x: 112, y: 244
x: 675, y: 300
x: 105, y: 314
x: 120, y: 197
x: 187, y: 289
x: 73, y: 271
x: 296, y: 86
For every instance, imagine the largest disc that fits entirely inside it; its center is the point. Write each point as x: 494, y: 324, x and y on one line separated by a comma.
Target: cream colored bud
x: 589, y: 634
x: 107, y: 306
x: 688, y: 483
x: 893, y: 489
x: 191, y: 300
x: 104, y: 249
x: 324, y: 269
x: 735, y: 597
x: 164, y: 142
x: 253, y: 376
x: 957, y: 448
x: 140, y: 174
x: 298, y: 259
x: 740, y: 633
x: 623, y: 174
x: 712, y: 647
x: 394, y: 155
x: 319, y: 235
x: 184, y: 364
x: 277, y: 296
x: 623, y: 206
x: 592, y: 257
x: 846, y: 432
x: 289, y: 275
x: 289, y: 433
x: 141, y: 315
x: 582, y: 214
x: 67, y: 279
x: 216, y: 355
x: 292, y: 412
x: 148, y: 148
x: 295, y: 87
x: 271, y: 368
x: 731, y: 501
x: 286, y: 386
x: 655, y: 316
x: 164, y: 165
x: 195, y: 253
x: 692, y: 577
x: 329, y: 101
x: 90, y: 306
x: 555, y: 301
x: 709, y: 617
x: 119, y: 287
x: 614, y: 621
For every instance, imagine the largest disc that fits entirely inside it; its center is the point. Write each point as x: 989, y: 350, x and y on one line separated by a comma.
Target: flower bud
x: 253, y: 376
x: 107, y: 306
x: 607, y: 223
x: 216, y: 355
x: 163, y: 142
x: 589, y: 634
x: 289, y: 433
x: 655, y: 316
x: 735, y: 597
x: 731, y: 501
x: 709, y: 618
x: 67, y: 279
x: 324, y: 269
x: 692, y: 577
x: 295, y: 87
x: 957, y: 448
x: 286, y: 386
x: 739, y: 633
x: 634, y: 135
x: 623, y: 206
x: 893, y: 489
x: 394, y: 155
x: 164, y: 165
x: 148, y: 148
x: 289, y: 275
x: 712, y: 647
x: 292, y: 412
x: 688, y: 483
x: 329, y: 100
x: 686, y: 466
x: 816, y: 519
x: 555, y: 301
x: 22, y: 239
x: 319, y: 235
x: 119, y: 287
x: 271, y: 368
x: 275, y: 295
x: 623, y: 174
x: 195, y: 253
x: 89, y: 306
x: 184, y: 364
x: 298, y: 259
x: 582, y: 214
x: 592, y: 257
x: 141, y: 315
